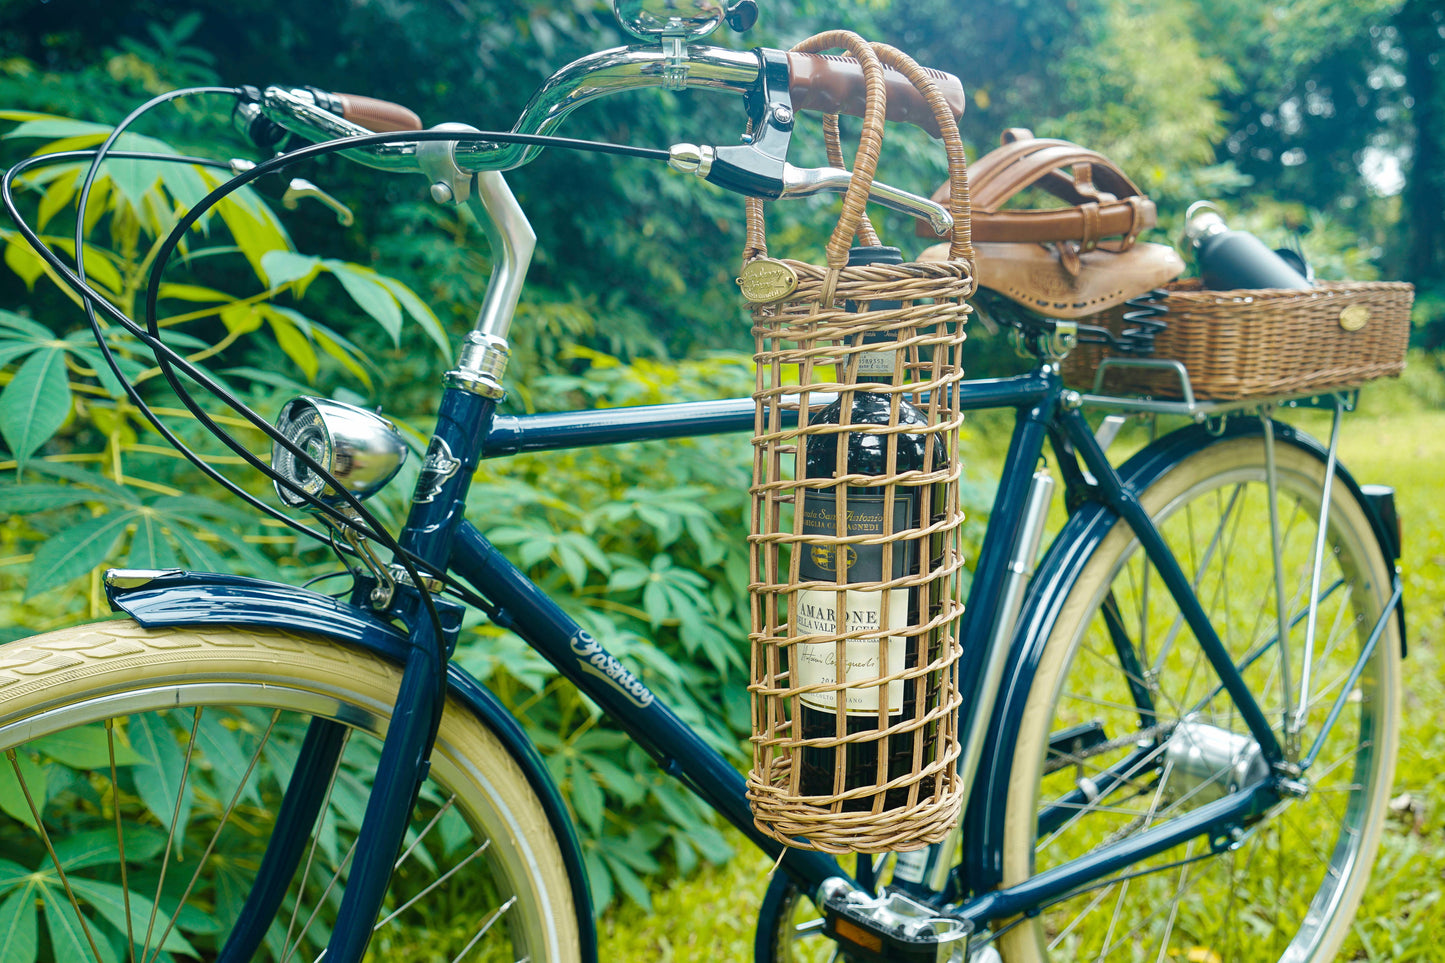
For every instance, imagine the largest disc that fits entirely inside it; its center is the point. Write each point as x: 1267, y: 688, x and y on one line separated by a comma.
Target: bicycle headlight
x: 361, y: 449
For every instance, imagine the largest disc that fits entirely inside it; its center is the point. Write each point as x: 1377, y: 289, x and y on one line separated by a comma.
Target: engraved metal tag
x: 1354, y: 317
x: 765, y: 279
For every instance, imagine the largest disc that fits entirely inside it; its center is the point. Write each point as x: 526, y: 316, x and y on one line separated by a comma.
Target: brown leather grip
x: 834, y: 85
x: 377, y: 115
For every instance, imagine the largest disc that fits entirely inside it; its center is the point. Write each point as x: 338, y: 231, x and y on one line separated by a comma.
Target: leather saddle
x: 1066, y: 262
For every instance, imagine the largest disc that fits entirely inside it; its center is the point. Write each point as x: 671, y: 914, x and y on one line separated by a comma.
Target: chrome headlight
x: 361, y: 449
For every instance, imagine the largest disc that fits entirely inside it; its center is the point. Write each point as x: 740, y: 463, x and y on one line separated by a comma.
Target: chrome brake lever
x: 301, y: 188
x: 807, y: 181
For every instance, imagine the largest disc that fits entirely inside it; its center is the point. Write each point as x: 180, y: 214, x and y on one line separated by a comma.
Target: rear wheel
x: 1126, y: 727
x: 140, y: 778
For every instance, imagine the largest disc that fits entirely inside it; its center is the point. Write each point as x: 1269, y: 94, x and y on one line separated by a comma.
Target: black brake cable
x: 91, y: 297
x: 169, y: 360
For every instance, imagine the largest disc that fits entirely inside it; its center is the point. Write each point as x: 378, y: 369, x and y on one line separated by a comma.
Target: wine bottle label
x: 875, y: 363
x: 816, y: 610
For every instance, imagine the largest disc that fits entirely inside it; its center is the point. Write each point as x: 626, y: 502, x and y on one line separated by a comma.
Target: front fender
x: 178, y: 598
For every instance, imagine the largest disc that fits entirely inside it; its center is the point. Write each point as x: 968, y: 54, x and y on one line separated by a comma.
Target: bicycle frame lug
x: 480, y: 365
x: 1072, y: 399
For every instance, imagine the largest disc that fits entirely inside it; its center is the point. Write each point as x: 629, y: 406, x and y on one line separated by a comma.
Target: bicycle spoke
x: 221, y: 824
x: 120, y: 841
x: 49, y: 848
x: 175, y: 820
x: 315, y: 840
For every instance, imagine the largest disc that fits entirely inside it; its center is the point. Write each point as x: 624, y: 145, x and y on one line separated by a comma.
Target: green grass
x: 1397, y: 438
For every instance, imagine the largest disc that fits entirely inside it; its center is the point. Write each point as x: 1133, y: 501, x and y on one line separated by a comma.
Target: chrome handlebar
x: 671, y: 66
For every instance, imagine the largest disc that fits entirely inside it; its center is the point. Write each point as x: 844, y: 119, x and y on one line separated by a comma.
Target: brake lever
x: 300, y: 188
x: 807, y: 181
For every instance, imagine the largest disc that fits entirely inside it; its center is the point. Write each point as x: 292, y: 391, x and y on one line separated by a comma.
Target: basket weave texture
x: 858, y: 569
x: 1254, y: 344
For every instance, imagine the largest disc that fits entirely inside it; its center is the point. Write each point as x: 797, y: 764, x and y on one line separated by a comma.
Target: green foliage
x: 641, y: 544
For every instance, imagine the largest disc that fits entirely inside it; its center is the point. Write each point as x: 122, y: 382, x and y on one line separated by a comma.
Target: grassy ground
x: 1397, y: 438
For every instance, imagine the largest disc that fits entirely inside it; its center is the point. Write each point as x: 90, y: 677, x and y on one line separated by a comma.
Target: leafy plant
x: 62, y: 408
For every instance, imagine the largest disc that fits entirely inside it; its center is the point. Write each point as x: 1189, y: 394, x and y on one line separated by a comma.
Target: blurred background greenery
x: 1311, y: 122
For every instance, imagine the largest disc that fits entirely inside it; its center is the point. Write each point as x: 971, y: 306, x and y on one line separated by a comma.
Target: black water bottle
x: 816, y: 611
x: 1231, y: 260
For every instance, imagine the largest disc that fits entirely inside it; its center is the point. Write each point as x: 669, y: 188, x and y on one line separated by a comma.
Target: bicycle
x: 1158, y: 706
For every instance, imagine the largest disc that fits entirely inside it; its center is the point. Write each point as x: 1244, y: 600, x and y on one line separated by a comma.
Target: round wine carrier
x: 854, y: 549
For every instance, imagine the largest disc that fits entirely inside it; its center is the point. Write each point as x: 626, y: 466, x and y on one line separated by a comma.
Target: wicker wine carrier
x: 1257, y: 344
x: 851, y: 567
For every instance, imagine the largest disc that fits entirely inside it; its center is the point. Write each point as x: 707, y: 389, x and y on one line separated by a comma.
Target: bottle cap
x: 874, y: 254
x: 1202, y: 220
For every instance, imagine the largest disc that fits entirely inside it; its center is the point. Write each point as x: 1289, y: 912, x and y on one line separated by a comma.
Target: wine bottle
x: 865, y: 610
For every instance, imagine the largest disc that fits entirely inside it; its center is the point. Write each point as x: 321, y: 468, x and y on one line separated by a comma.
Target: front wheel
x: 140, y: 779
x: 1126, y: 727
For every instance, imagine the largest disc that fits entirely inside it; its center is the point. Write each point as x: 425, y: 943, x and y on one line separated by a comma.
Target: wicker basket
x: 856, y: 575
x: 1258, y: 344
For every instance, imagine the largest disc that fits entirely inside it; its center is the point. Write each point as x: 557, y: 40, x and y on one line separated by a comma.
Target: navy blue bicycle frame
x: 472, y: 430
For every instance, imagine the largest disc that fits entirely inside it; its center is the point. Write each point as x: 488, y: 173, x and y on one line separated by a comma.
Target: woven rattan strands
x: 1261, y: 343
x: 809, y: 345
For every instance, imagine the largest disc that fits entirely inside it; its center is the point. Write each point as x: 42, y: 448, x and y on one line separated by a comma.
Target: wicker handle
x: 853, y: 221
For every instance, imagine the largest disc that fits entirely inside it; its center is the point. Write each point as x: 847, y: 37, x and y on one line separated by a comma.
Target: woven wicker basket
x: 821, y: 544
x: 1258, y: 344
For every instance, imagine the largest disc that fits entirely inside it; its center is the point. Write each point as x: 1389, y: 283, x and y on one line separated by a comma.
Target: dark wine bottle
x: 816, y: 612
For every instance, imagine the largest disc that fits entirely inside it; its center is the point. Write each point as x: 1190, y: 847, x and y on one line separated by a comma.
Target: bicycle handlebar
x: 824, y: 83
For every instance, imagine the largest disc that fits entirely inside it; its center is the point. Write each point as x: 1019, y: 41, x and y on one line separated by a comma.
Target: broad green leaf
x: 242, y: 318
x: 86, y: 747
x: 157, y: 740
x: 89, y: 354
x: 284, y: 267
x: 32, y: 779
x: 419, y: 312
x: 24, y: 325
x: 599, y: 876
x: 222, y: 750
x: 256, y: 232
x: 192, y: 292
x: 370, y: 295
x: 294, y: 343
x: 587, y: 798
x: 57, y: 195
x: 334, y: 346
x: 18, y: 939
x: 119, y: 494
x: 68, y: 934
x: 11, y: 874
x: 627, y: 880
x: 135, y: 178
x: 23, y: 261
x: 35, y: 403
x: 97, y: 847
x: 149, y: 548
x: 109, y: 901
x: 273, y: 378
x: 200, y: 555
x: 74, y: 551
x: 25, y: 499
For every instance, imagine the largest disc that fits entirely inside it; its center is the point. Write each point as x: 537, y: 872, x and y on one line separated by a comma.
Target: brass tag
x: 1354, y: 317
x: 765, y: 279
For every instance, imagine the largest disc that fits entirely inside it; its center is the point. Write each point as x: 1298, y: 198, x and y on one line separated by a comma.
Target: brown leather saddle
x: 1066, y: 262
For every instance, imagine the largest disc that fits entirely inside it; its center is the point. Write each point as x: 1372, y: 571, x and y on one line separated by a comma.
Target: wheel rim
x: 464, y: 847
x: 1282, y: 893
